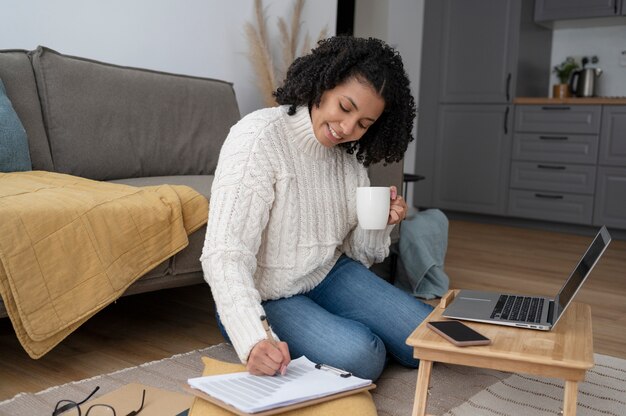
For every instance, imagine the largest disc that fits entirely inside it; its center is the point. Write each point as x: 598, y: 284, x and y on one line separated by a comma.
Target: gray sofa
x: 131, y: 126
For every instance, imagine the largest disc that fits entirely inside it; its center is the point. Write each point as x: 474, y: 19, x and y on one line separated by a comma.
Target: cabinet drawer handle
x: 546, y: 196
x: 553, y: 167
x: 556, y: 107
x: 508, y: 87
x: 506, y: 120
x: 553, y: 137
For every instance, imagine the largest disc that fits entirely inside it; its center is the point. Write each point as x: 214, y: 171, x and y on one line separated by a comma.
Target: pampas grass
x: 306, y: 45
x: 259, y: 52
x: 260, y: 55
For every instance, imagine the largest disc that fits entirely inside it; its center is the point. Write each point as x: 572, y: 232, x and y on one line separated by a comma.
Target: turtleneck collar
x: 302, y: 135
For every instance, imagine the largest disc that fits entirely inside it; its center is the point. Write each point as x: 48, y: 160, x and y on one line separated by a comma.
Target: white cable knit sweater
x: 282, y: 211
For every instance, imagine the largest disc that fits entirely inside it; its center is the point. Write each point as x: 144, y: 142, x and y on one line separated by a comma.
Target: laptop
x: 534, y: 312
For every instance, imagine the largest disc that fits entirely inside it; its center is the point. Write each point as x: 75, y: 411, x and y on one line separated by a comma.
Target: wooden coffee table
x: 566, y: 352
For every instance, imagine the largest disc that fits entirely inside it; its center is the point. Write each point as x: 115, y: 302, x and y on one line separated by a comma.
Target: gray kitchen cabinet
x: 613, y: 144
x: 569, y: 164
x: 610, y: 199
x: 556, y: 147
x: 477, y: 56
x: 473, y: 73
x: 550, y: 206
x: 557, y: 119
x: 554, y: 157
x: 489, y: 51
x: 548, y: 10
x: 555, y: 177
x: 471, y: 173
x: 610, y: 202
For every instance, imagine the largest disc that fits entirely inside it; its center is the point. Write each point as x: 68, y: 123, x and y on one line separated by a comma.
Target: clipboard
x: 276, y: 410
x: 305, y: 384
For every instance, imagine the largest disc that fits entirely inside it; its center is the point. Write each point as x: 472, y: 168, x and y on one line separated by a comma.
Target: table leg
x: 570, y: 398
x: 421, y: 389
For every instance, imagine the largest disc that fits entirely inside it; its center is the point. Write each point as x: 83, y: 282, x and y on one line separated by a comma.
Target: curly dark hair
x: 339, y: 58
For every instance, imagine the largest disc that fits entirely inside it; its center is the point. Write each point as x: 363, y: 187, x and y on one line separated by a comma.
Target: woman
x: 282, y: 237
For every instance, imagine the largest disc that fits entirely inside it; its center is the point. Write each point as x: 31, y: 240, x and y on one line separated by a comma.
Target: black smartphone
x: 458, y: 333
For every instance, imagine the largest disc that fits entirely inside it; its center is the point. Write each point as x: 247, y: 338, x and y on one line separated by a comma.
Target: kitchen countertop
x: 571, y: 101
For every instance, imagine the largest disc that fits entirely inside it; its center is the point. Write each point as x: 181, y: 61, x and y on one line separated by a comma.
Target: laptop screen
x: 581, y: 271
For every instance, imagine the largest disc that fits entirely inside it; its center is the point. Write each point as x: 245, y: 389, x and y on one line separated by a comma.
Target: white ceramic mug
x: 372, y: 206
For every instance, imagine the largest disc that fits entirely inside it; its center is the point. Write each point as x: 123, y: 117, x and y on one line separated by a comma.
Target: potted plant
x: 563, y: 72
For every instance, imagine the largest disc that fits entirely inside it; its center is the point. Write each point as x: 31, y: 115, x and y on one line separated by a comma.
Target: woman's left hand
x: 398, y: 208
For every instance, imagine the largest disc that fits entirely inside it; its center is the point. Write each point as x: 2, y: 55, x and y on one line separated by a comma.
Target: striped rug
x: 602, y: 393
x: 454, y: 391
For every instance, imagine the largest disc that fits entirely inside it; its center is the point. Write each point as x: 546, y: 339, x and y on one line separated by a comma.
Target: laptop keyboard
x: 518, y: 308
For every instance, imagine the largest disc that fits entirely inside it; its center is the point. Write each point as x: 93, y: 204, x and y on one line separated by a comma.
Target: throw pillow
x: 14, y: 154
x: 356, y: 404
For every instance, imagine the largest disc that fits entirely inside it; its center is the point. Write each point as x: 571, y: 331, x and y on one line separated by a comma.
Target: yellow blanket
x: 69, y: 246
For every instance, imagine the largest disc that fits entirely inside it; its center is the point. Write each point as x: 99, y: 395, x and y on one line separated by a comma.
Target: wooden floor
x: 147, y: 327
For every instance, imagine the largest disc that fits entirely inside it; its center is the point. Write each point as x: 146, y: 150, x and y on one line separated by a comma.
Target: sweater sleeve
x: 241, y: 197
x: 367, y: 246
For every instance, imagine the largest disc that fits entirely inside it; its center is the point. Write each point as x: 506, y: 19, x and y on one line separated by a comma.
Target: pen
x: 268, y: 333
x: 272, y: 340
x: 342, y: 373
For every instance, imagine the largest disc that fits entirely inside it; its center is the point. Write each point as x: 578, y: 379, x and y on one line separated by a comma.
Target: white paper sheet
x: 253, y: 394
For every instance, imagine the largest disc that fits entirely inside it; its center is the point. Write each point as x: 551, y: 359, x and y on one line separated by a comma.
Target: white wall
x: 399, y: 23
x: 195, y: 37
x: 608, y: 43
x: 405, y: 24
x: 371, y: 18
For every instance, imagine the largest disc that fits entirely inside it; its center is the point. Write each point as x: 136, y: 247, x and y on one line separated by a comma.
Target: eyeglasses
x: 73, y: 408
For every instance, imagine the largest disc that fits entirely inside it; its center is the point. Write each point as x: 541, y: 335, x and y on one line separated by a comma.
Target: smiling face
x: 346, y: 112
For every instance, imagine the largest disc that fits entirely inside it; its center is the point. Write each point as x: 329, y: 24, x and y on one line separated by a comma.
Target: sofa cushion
x: 187, y: 260
x: 108, y: 122
x: 14, y: 155
x: 17, y: 75
x: 200, y: 183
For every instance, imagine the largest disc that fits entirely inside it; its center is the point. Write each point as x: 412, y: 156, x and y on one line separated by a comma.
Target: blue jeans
x: 352, y: 320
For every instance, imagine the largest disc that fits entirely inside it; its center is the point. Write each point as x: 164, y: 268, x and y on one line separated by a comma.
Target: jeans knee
x: 405, y: 358
x: 365, y: 359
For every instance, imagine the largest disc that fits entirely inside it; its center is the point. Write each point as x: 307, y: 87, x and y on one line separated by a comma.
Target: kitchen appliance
x: 584, y: 82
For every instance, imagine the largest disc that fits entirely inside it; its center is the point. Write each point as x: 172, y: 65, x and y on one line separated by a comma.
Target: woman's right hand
x: 268, y: 358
